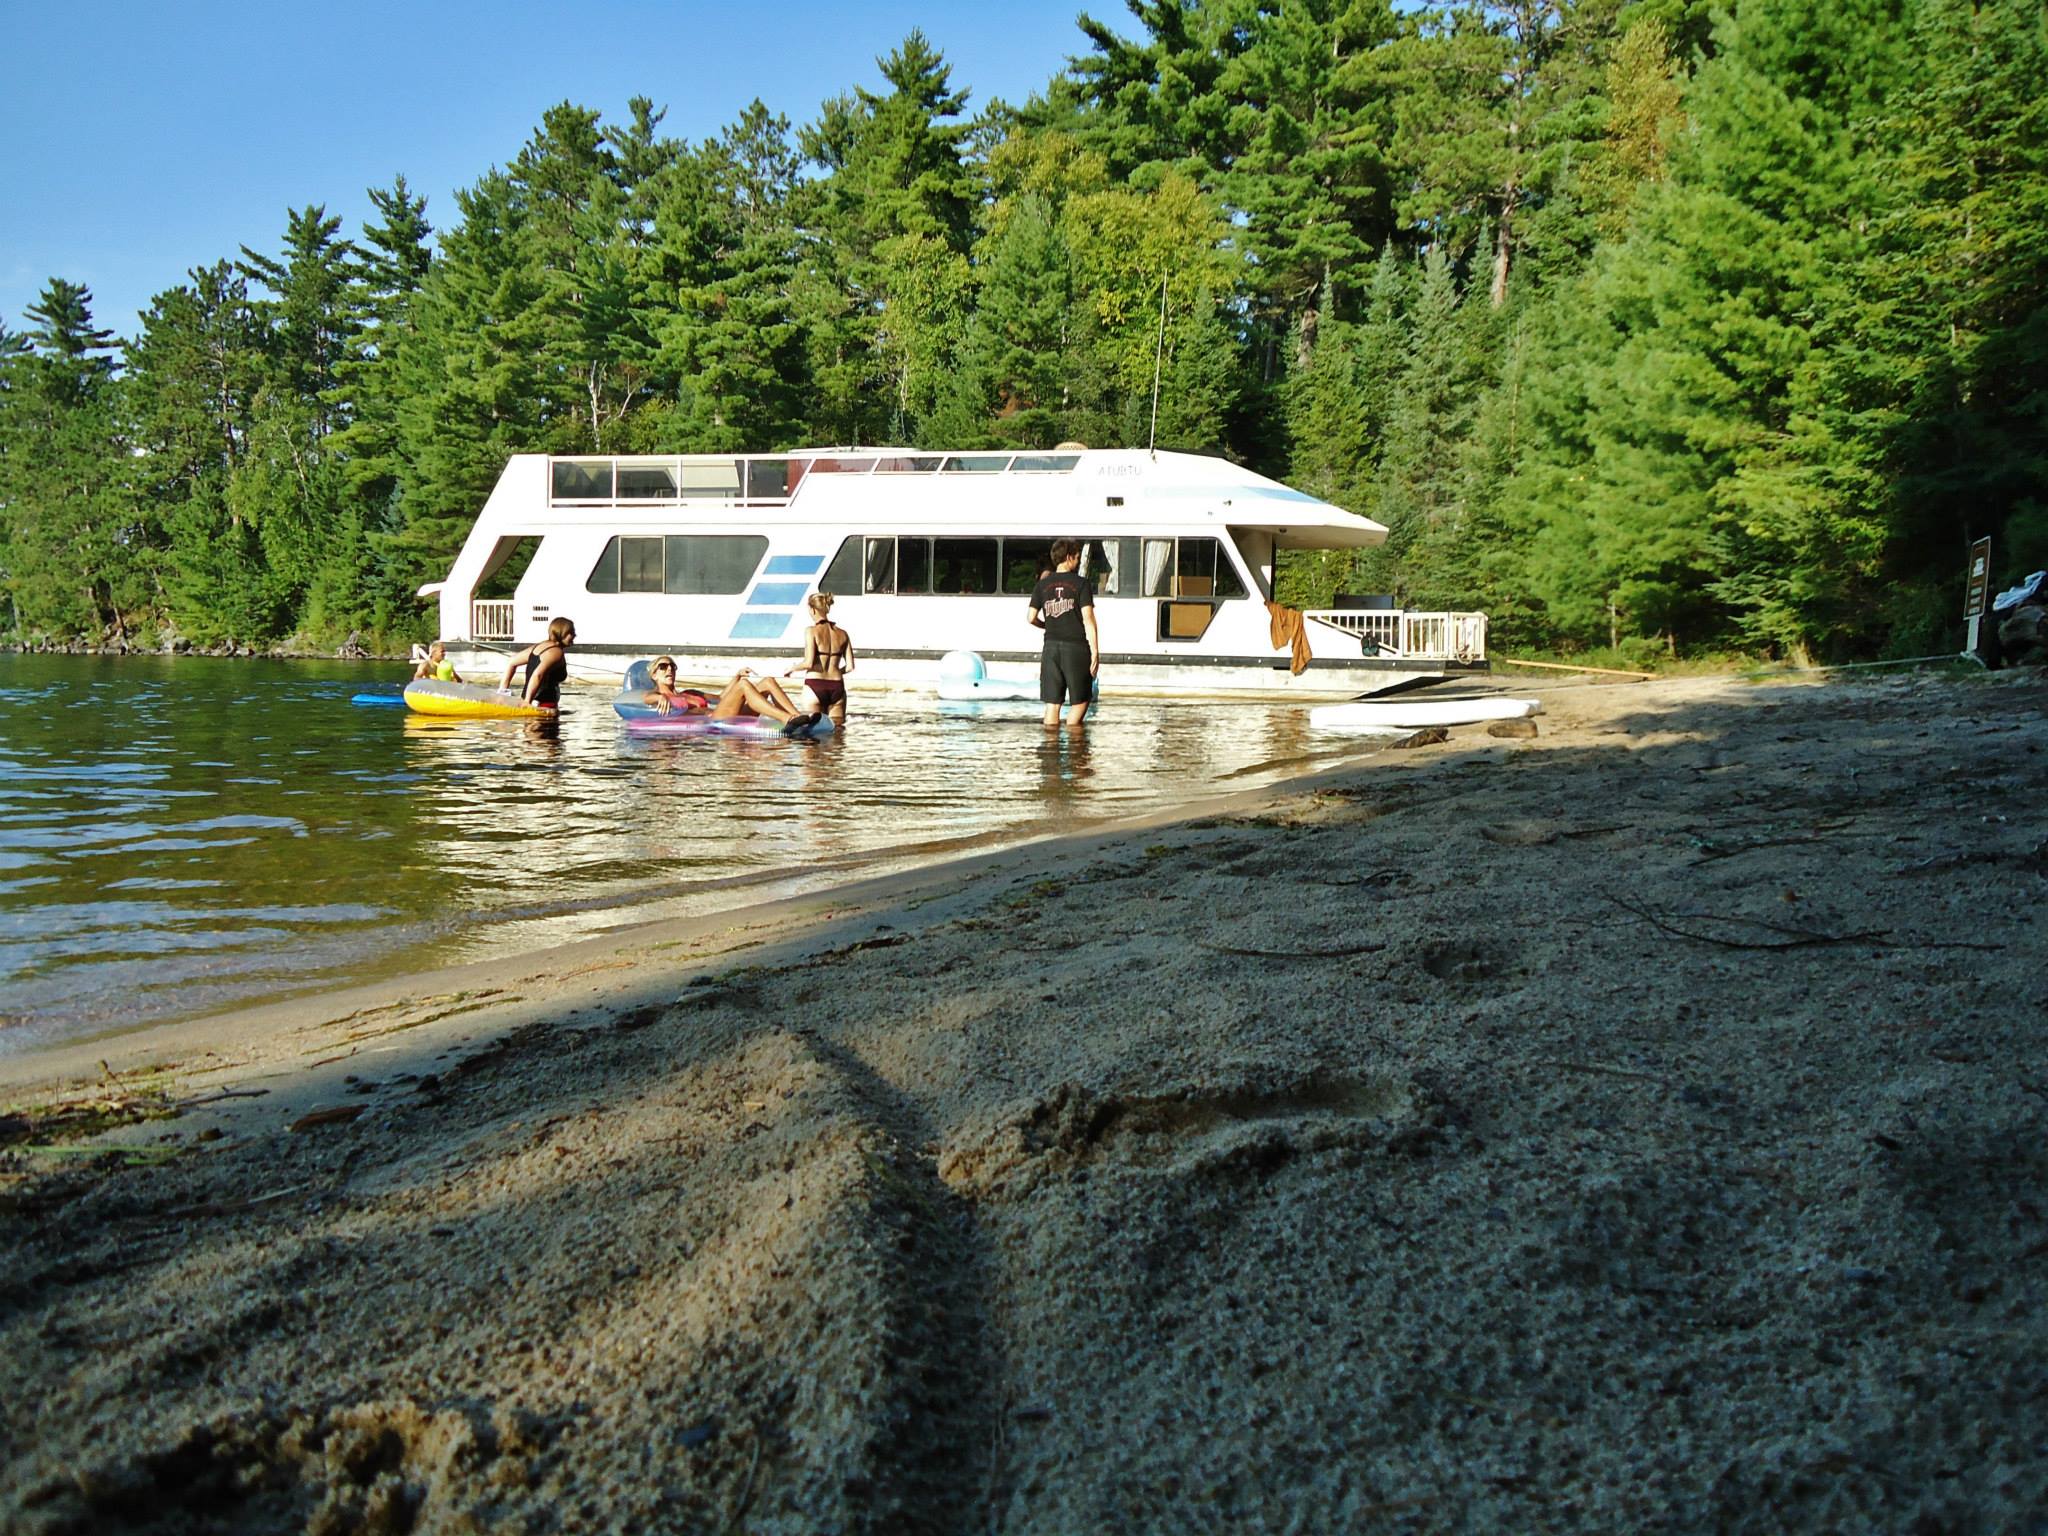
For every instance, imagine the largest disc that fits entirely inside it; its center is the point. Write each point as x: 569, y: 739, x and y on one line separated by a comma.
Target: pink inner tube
x: 705, y: 725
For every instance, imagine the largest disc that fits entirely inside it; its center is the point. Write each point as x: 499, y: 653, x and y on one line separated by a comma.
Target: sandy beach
x: 1642, y: 1126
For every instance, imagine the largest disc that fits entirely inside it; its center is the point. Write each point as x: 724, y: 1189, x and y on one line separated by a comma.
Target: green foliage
x: 1649, y: 326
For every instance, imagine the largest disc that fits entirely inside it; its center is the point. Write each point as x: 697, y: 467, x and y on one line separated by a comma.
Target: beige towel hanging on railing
x: 1289, y: 631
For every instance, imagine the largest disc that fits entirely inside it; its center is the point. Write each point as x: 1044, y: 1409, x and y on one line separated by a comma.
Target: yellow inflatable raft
x: 472, y: 701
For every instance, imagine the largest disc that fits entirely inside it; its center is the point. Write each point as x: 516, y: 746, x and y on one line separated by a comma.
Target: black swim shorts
x: 1063, y: 675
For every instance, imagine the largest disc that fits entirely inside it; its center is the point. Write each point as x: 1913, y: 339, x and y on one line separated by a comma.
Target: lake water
x: 182, y: 835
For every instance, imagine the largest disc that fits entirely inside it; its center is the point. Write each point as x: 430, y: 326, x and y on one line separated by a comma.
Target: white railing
x: 1409, y: 636
x: 764, y: 479
x: 490, y: 619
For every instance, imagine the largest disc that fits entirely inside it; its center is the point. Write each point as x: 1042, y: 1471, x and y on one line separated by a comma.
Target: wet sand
x: 1640, y: 1126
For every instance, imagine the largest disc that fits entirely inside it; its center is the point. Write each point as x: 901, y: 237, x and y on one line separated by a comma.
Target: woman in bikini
x: 828, y: 657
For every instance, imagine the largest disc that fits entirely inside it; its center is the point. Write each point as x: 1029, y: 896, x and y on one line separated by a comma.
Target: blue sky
x: 148, y: 137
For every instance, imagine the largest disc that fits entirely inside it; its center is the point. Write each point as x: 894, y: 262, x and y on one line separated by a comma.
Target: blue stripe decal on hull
x: 778, y: 594
x: 793, y: 565
x: 760, y: 626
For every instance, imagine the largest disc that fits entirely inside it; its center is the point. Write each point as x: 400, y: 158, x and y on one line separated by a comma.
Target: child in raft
x: 436, y: 666
x: 746, y: 694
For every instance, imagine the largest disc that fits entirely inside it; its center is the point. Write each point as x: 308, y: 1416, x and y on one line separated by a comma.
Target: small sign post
x: 1977, y: 594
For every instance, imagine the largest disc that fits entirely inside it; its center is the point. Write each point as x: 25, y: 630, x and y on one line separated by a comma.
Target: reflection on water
x: 178, y: 836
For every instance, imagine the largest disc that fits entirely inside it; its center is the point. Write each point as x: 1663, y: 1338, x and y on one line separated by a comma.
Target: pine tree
x: 194, y: 377
x: 75, y: 558
x: 886, y: 266
x: 1495, y: 103
x: 374, y: 377
x: 473, y: 394
x: 1305, y: 163
x: 1152, y: 106
x: 728, y: 349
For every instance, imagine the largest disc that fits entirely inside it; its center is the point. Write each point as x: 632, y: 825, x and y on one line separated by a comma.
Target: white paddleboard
x: 1412, y: 714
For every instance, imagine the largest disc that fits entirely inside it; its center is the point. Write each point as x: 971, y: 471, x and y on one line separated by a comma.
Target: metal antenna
x: 1158, y: 357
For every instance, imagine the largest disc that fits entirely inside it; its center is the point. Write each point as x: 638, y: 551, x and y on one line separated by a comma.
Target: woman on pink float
x: 746, y: 694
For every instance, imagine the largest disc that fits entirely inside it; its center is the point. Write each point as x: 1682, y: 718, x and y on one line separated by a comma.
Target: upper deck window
x: 773, y: 479
x: 841, y: 466
x: 909, y: 464
x: 717, y: 478
x: 582, y: 480
x: 1045, y: 463
x: 977, y: 463
x: 647, y: 482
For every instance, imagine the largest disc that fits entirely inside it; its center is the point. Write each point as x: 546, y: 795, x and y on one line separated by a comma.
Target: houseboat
x: 711, y: 557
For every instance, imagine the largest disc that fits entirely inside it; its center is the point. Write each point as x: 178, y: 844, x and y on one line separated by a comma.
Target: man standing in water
x: 1064, y: 606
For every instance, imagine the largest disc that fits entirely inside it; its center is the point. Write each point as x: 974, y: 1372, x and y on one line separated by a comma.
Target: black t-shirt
x: 1059, y: 599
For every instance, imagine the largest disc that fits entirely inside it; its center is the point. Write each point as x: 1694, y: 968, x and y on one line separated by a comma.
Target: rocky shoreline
x: 351, y: 649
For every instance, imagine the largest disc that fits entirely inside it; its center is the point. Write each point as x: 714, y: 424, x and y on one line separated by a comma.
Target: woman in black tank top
x: 547, y: 666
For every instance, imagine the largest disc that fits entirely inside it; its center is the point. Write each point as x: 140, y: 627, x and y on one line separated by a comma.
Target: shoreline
x: 1639, y: 1126
x: 258, y: 1030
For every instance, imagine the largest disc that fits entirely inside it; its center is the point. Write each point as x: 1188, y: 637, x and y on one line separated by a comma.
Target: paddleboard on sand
x: 1412, y: 714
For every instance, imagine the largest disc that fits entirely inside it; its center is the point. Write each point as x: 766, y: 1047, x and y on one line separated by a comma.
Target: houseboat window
x: 647, y: 482
x: 604, y: 576
x: 1045, y: 463
x: 1189, y: 568
x: 1211, y: 557
x: 1100, y: 565
x: 841, y: 466
x: 711, y: 564
x: 909, y: 464
x: 717, y: 478
x: 639, y: 565
x: 1023, y: 559
x: 773, y: 479
x: 843, y: 575
x: 964, y: 565
x: 508, y: 561
x: 881, y: 571
x: 701, y: 564
x: 977, y: 463
x: 582, y: 480
x: 913, y: 565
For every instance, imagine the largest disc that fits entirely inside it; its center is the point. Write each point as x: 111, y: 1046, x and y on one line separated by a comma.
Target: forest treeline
x: 1652, y: 325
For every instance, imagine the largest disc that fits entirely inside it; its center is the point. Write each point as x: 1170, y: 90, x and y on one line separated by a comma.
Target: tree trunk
x: 1503, y: 243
